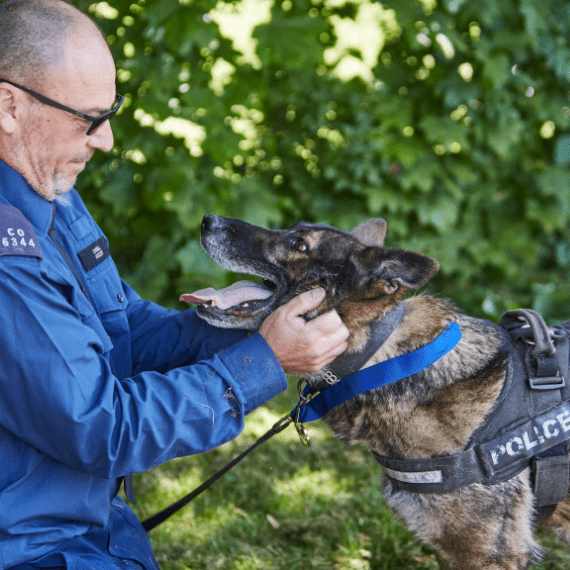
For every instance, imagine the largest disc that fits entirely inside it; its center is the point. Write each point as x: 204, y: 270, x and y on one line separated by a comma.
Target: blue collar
x: 377, y: 375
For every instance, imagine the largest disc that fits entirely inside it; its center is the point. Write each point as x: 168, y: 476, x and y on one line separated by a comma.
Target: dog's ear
x: 382, y: 271
x: 370, y: 233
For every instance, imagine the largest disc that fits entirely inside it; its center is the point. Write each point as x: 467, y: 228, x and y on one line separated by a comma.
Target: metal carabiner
x: 301, y: 431
x: 280, y: 425
x: 304, y: 399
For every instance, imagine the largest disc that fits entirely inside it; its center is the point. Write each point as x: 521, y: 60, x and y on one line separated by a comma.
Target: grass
x: 286, y: 507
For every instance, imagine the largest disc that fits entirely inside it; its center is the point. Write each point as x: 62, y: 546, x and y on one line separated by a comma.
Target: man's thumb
x: 308, y: 301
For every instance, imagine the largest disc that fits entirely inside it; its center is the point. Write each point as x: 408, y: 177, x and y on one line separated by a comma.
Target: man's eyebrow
x: 95, y: 111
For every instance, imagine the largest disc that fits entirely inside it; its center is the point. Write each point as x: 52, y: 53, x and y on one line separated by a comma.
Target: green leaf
x: 395, y: 112
x: 292, y: 42
x: 187, y: 30
x: 497, y: 69
x: 194, y: 260
x: 403, y: 149
x: 120, y: 193
x: 422, y: 174
x: 440, y: 212
x: 444, y: 130
x: 160, y: 11
x: 562, y: 150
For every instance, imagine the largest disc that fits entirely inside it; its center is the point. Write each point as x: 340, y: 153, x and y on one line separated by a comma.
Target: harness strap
x: 551, y: 471
x: 542, y: 343
x: 436, y: 475
x: 490, y: 462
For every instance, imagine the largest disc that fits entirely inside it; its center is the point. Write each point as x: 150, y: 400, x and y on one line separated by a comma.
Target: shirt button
x: 120, y: 298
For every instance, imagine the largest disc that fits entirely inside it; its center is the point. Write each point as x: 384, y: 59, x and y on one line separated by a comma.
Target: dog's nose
x: 209, y: 222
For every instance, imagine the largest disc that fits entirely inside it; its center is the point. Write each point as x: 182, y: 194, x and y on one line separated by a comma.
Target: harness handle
x: 542, y: 342
x: 541, y: 360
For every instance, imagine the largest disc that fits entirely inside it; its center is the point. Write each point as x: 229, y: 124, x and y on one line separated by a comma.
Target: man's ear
x: 370, y: 233
x: 8, y: 109
x: 381, y: 271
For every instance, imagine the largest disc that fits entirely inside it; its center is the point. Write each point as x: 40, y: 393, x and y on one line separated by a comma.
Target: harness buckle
x: 546, y: 382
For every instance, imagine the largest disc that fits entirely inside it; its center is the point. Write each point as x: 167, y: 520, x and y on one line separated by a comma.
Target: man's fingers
x: 325, y: 347
x: 329, y: 356
x: 316, y: 363
x: 333, y: 343
x: 304, y: 303
x: 304, y: 346
x: 327, y: 323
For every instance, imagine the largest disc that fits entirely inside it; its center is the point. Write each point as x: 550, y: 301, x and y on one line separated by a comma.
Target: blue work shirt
x: 96, y: 384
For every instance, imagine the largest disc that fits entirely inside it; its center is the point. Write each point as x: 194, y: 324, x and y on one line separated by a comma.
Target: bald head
x: 34, y: 35
x: 51, y: 47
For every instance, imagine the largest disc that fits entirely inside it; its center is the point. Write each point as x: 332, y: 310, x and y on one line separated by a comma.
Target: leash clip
x: 301, y: 431
x: 280, y: 425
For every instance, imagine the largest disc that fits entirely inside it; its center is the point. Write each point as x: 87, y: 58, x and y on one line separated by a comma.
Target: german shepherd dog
x: 432, y: 413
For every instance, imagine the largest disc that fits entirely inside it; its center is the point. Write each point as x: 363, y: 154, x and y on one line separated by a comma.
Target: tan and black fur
x: 432, y: 413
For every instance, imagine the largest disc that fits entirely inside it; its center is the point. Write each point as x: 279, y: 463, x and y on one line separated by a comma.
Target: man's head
x: 52, y: 48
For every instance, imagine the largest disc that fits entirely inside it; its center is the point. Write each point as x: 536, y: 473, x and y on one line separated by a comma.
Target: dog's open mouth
x: 241, y: 297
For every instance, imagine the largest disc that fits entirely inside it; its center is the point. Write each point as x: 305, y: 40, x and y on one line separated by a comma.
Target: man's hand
x: 304, y: 346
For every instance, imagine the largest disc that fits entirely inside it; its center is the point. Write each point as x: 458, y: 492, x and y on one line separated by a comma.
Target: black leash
x: 341, y: 367
x: 161, y: 516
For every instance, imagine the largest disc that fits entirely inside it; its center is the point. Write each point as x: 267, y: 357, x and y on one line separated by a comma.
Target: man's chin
x: 59, y: 185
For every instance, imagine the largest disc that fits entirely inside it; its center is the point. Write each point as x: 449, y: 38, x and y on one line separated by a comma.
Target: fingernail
x: 318, y: 292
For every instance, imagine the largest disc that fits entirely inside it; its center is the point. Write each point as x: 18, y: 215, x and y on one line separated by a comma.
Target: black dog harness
x: 529, y: 426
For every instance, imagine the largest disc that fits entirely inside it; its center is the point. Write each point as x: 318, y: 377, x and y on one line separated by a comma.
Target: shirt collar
x: 15, y: 191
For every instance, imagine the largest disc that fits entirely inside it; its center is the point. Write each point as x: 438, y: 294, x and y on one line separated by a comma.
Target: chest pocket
x: 106, y: 289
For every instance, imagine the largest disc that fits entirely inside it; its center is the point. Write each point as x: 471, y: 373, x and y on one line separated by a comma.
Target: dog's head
x: 352, y: 267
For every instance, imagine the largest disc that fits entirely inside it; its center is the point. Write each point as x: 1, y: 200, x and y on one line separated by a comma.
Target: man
x: 95, y: 383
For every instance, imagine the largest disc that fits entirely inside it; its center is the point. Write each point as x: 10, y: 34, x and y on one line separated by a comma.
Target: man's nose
x: 102, y: 139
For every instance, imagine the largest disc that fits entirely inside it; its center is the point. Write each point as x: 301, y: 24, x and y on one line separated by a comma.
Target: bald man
x: 95, y: 383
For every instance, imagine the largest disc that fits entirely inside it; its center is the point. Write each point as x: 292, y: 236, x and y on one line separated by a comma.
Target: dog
x: 432, y: 413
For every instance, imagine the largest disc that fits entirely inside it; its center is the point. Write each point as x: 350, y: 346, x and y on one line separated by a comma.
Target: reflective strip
x: 415, y: 477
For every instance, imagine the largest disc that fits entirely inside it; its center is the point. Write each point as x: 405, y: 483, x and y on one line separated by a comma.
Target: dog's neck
x: 350, y: 362
x: 354, y: 359
x: 362, y: 315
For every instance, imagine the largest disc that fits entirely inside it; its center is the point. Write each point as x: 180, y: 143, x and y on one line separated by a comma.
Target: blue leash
x: 375, y: 376
x: 314, y: 409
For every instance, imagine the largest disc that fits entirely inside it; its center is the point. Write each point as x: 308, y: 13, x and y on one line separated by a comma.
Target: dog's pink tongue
x: 235, y: 294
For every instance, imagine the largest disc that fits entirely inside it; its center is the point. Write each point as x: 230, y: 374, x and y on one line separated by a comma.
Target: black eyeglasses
x: 96, y: 121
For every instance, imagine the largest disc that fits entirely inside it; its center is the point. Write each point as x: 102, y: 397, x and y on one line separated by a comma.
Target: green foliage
x: 457, y: 133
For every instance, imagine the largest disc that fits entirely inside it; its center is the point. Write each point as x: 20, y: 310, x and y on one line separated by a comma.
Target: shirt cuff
x: 256, y: 371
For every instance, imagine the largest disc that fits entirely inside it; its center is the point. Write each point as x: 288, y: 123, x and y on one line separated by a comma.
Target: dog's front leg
x: 477, y: 527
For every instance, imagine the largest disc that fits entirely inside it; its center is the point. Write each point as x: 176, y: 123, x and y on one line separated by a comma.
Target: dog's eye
x: 301, y: 245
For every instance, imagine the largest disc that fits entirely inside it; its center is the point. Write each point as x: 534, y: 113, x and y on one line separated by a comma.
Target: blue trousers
x: 122, y: 545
